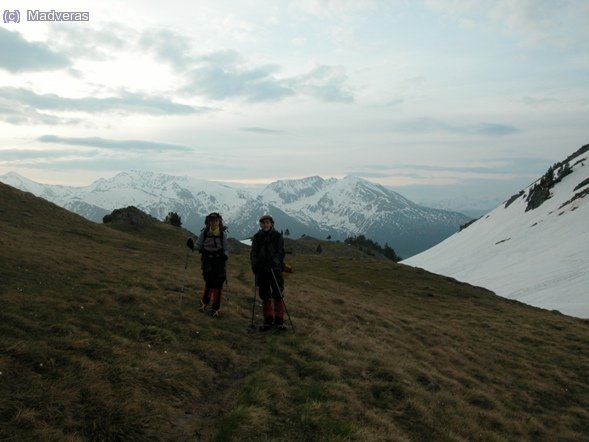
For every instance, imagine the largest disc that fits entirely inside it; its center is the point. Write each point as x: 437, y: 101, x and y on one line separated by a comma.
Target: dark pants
x: 271, y: 291
x: 213, y: 272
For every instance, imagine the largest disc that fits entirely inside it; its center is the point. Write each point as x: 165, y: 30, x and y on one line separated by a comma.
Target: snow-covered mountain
x: 313, y: 206
x: 533, y: 248
x: 356, y: 206
x: 154, y: 193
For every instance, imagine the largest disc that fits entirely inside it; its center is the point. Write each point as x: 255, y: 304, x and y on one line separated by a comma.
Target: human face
x: 214, y: 222
x: 265, y: 225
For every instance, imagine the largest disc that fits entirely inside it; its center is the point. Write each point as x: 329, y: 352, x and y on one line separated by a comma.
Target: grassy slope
x: 95, y: 345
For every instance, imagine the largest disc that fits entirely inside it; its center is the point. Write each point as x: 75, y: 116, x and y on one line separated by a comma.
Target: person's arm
x: 200, y: 241
x: 278, y: 257
x: 225, y: 251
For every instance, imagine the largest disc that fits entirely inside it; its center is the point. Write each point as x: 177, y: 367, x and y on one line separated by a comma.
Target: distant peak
x: 310, y: 179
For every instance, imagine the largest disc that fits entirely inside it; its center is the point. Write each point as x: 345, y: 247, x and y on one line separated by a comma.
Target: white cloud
x: 532, y: 21
x: 20, y: 55
x: 334, y: 7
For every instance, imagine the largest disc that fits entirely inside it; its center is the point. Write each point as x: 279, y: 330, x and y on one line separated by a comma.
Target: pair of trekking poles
x: 281, y: 297
x: 254, y: 300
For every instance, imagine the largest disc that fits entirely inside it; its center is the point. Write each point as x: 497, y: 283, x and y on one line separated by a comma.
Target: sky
x: 475, y: 94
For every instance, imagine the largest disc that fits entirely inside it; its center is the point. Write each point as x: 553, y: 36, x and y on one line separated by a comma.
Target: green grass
x: 95, y: 345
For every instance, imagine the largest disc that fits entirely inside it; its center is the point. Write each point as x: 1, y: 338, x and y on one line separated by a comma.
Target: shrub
x: 369, y: 246
x: 174, y: 219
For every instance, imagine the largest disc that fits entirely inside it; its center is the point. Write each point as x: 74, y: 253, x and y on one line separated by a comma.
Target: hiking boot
x: 265, y: 327
x: 214, y: 314
x: 203, y: 306
x: 281, y: 327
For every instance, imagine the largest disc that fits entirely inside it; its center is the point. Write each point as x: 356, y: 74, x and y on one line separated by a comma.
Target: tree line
x: 368, y: 245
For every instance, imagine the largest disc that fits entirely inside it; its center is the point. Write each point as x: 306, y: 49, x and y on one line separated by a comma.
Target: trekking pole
x: 254, y: 302
x: 282, y: 297
x: 184, y: 279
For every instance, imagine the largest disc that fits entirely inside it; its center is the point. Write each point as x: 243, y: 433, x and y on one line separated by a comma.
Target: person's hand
x: 276, y: 267
x: 190, y: 243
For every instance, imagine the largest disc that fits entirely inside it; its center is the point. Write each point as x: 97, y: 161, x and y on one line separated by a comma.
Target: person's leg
x: 218, y: 278
x: 216, y: 298
x: 278, y: 312
x: 265, y: 290
x: 277, y: 288
x: 206, y: 298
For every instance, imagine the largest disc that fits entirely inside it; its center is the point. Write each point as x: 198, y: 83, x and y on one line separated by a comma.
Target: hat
x: 211, y: 216
x: 263, y: 217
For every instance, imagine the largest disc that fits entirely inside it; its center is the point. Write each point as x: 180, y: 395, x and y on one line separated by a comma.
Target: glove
x: 190, y: 243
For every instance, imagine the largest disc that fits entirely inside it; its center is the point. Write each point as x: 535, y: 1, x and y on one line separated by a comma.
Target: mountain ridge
x: 314, y: 206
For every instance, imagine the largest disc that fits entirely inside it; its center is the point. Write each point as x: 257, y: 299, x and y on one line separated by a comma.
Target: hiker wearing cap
x: 212, y: 245
x: 267, y: 261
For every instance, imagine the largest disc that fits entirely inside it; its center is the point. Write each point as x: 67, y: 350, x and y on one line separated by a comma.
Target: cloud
x: 432, y: 168
x: 325, y: 82
x: 489, y: 166
x: 538, y: 101
x: 369, y: 174
x: 13, y: 112
x: 223, y: 76
x: 20, y: 55
x: 538, y: 16
x: 394, y: 102
x: 19, y: 105
x: 226, y: 74
x: 261, y: 130
x: 428, y: 125
x: 534, y: 21
x: 221, y: 81
x: 491, y: 129
x: 90, y: 43
x: 323, y: 8
x: 19, y: 155
x: 104, y: 143
x: 168, y: 46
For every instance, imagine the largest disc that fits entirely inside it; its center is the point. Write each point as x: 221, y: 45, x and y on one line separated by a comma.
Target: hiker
x: 267, y: 261
x: 212, y: 245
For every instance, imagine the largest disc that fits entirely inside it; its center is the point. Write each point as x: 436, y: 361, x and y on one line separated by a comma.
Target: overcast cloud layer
x: 402, y: 93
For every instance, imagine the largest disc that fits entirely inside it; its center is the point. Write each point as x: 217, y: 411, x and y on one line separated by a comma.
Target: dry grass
x: 95, y: 345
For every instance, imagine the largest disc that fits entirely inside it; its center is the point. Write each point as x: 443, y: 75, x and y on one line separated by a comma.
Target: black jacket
x: 267, y: 251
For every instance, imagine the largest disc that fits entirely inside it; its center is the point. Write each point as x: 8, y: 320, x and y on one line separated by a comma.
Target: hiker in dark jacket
x: 212, y: 245
x: 267, y: 261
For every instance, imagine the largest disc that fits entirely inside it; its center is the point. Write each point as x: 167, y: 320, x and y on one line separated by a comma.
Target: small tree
x: 390, y: 253
x: 319, y: 249
x: 369, y: 246
x: 174, y: 219
x: 287, y: 232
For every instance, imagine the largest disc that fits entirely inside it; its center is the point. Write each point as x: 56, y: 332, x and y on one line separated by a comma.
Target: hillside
x: 100, y: 339
x: 533, y: 248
